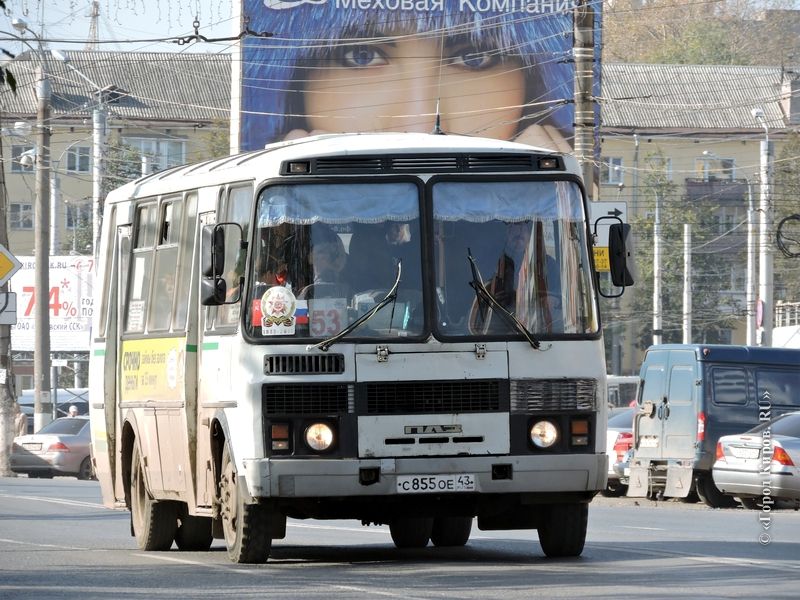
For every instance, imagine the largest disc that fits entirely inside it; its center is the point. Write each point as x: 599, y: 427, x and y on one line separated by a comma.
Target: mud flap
x: 639, y: 480
x: 679, y: 480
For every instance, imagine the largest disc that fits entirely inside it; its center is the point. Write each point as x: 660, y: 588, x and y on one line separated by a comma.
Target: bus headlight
x: 544, y: 434
x: 319, y: 437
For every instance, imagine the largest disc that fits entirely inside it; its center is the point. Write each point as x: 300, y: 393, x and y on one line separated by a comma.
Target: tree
x: 714, y: 254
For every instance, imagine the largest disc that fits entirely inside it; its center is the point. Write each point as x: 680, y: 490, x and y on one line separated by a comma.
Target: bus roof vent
x: 501, y: 162
x: 429, y: 163
x: 304, y: 364
x: 347, y: 164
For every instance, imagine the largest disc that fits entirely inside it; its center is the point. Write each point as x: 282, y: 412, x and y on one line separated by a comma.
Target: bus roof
x: 737, y: 354
x: 265, y: 163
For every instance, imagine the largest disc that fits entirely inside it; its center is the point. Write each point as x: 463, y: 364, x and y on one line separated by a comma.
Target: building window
x: 20, y: 216
x: 78, y: 159
x: 611, y: 170
x: 161, y: 153
x: 17, y: 151
x: 78, y: 215
x: 713, y: 168
x: 661, y: 165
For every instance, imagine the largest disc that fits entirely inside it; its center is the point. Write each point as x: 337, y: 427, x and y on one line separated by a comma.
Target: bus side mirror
x: 620, y: 250
x: 213, y: 255
x: 221, y: 282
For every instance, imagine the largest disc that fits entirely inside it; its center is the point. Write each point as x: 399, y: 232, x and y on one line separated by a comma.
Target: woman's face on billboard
x: 394, y: 86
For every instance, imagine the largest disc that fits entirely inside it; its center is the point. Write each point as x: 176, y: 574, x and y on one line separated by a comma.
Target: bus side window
x: 237, y: 209
x: 185, y: 262
x: 141, y: 268
x: 166, y: 261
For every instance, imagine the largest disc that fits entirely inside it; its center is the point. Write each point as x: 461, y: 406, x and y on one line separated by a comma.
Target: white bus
x: 401, y: 329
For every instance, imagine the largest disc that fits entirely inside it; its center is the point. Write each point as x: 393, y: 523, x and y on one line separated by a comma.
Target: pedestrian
x: 20, y: 421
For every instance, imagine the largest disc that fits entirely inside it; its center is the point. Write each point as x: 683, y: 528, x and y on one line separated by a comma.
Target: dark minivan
x: 693, y: 394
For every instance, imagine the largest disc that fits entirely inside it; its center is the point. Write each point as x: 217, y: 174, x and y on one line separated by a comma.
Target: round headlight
x: 319, y: 437
x: 544, y: 434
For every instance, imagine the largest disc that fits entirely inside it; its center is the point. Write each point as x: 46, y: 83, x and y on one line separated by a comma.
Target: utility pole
x: 583, y: 52
x: 657, y: 331
x: 687, y: 283
x: 750, y: 292
x: 98, y: 144
x: 7, y: 386
x: 43, y: 409
x: 765, y: 251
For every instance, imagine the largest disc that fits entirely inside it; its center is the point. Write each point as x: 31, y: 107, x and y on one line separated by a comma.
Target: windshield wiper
x: 389, y: 298
x: 484, y: 295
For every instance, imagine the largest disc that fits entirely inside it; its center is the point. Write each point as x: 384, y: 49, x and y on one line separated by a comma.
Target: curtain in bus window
x: 357, y: 203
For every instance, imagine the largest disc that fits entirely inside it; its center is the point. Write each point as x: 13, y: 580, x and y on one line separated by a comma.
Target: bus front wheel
x: 411, y: 532
x: 451, y: 531
x: 562, y: 529
x: 154, y: 523
x: 246, y: 526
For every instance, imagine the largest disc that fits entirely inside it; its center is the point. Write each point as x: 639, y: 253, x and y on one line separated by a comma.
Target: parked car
x: 745, y: 467
x: 62, y: 447
x: 64, y: 398
x: 618, y: 441
x: 691, y: 396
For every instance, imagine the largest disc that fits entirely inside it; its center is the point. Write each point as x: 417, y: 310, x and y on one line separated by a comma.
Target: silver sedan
x: 62, y: 447
x: 763, y: 462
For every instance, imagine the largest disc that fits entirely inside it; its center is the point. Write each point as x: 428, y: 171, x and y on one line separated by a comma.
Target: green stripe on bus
x: 191, y: 347
x: 210, y: 345
x: 99, y: 352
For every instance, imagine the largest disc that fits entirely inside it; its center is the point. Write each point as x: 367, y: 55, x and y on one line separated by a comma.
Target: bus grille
x: 305, y: 364
x: 432, y: 397
x: 529, y: 395
x: 307, y: 399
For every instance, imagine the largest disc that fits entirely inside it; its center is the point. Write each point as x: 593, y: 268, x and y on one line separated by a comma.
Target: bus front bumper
x: 312, y: 478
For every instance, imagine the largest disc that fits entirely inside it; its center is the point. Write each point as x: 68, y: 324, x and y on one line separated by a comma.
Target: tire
x: 616, y: 490
x: 86, y: 471
x: 693, y: 497
x: 710, y: 494
x: 194, y: 533
x: 153, y: 523
x: 411, y: 532
x: 562, y: 529
x: 246, y: 526
x: 451, y: 531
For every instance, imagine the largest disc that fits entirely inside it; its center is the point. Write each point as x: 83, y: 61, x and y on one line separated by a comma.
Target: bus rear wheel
x: 411, y: 532
x: 246, y: 526
x: 562, y: 529
x: 451, y: 531
x: 154, y: 523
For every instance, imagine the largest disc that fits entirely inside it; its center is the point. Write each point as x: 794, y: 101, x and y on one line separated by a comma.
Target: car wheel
x: 562, y: 529
x: 411, y: 532
x: 85, y: 471
x: 614, y: 490
x: 154, y: 523
x: 194, y: 533
x: 246, y: 526
x: 711, y: 495
x: 451, y: 531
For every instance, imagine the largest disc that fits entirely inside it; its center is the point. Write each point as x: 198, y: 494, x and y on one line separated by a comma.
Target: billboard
x: 70, y: 300
x: 492, y: 68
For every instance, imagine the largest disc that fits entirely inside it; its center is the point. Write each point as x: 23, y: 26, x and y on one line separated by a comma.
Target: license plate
x: 32, y: 446
x: 427, y: 484
x: 649, y: 441
x: 744, y: 452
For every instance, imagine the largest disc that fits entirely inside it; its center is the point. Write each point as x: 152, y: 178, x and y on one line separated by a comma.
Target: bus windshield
x: 527, y: 240
x: 326, y: 253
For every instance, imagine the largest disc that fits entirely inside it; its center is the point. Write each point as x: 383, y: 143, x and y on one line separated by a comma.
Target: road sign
x: 606, y: 209
x: 8, y: 264
x: 8, y: 308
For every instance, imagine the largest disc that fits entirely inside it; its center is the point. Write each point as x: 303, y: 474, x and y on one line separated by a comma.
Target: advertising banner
x: 70, y: 300
x: 493, y: 68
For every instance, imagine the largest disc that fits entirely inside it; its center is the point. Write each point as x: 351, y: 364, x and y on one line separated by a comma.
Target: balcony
x: 719, y: 191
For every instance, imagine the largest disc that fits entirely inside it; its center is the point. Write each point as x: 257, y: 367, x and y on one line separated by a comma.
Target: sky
x: 64, y: 21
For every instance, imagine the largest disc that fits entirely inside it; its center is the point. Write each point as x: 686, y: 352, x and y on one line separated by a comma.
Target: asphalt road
x: 57, y: 541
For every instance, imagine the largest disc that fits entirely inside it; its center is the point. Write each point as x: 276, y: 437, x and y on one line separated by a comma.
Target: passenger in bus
x: 328, y: 261
x: 493, y: 73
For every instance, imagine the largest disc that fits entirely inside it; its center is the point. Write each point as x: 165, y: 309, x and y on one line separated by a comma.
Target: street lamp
x: 41, y: 349
x: 765, y: 248
x: 98, y: 143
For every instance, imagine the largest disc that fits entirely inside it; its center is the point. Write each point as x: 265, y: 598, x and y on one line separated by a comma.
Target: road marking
x: 55, y: 546
x: 54, y: 501
x: 644, y: 528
